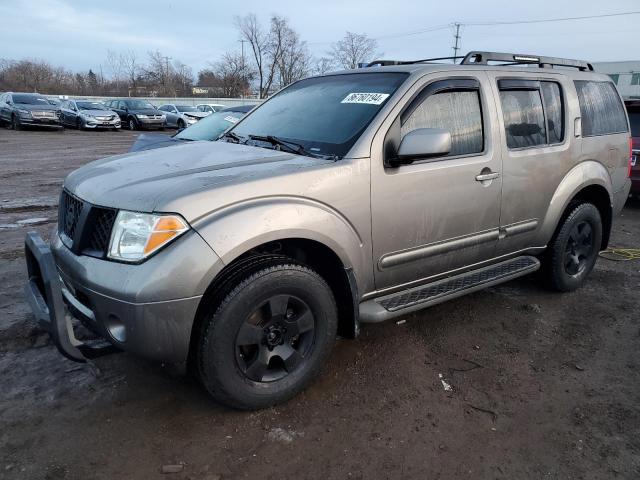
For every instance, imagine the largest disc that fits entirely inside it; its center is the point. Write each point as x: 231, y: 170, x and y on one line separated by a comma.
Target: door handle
x: 483, y: 177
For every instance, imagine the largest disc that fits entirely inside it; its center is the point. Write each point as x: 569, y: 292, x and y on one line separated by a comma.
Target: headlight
x: 163, y: 117
x: 135, y: 236
x: 141, y: 116
x: 86, y: 115
x: 24, y: 112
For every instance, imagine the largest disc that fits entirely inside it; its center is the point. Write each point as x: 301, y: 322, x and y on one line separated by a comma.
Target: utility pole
x: 456, y: 46
x: 242, y: 42
x: 166, y: 75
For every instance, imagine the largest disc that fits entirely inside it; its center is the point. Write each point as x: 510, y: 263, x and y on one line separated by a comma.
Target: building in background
x: 626, y: 75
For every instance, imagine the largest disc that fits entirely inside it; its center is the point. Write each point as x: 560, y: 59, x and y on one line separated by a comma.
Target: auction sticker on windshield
x: 231, y: 119
x: 368, y: 98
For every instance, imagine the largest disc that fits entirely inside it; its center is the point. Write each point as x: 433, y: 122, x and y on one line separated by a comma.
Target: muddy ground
x: 543, y: 385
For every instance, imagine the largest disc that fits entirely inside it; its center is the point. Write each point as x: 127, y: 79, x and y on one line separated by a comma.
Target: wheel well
x: 598, y: 196
x: 315, y: 255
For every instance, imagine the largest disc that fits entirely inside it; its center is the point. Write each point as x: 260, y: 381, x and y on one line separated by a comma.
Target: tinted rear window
x: 601, y: 109
x: 634, y: 120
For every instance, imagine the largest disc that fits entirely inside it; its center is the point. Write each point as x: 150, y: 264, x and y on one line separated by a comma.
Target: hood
x: 195, y: 114
x: 149, y: 180
x: 147, y: 141
x: 37, y: 107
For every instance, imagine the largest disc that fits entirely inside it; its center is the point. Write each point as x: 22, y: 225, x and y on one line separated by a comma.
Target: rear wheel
x: 269, y: 337
x: 573, y: 251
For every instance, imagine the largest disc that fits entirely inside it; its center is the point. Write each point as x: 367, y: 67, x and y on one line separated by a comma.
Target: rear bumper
x: 620, y: 197
x: 119, y: 302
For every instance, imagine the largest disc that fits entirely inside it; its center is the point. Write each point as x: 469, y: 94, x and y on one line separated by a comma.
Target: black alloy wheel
x: 275, y: 339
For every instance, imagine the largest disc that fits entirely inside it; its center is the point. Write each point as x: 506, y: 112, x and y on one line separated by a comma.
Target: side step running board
x: 400, y: 303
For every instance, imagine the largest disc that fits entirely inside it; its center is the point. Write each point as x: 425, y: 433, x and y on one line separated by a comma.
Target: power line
x: 547, y: 20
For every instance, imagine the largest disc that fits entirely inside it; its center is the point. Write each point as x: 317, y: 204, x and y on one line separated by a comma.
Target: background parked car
x: 54, y: 101
x: 633, y: 110
x: 28, y: 109
x: 210, y: 108
x: 137, y: 114
x: 82, y: 114
x: 181, y: 116
x: 209, y: 128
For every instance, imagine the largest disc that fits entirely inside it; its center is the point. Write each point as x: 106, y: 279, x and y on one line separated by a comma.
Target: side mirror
x: 422, y: 143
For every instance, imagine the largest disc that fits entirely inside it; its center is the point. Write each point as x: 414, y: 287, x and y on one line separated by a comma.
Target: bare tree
x: 295, y: 61
x: 115, y: 62
x: 252, y: 32
x: 229, y: 76
x: 131, y: 68
x: 354, y: 48
x: 323, y: 65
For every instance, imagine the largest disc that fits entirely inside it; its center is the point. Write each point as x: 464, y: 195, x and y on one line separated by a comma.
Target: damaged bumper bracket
x: 44, y: 292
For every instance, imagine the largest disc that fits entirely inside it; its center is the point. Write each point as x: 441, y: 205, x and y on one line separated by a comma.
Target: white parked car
x: 210, y: 108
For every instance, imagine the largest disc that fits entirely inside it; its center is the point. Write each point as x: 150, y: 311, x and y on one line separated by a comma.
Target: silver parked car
x: 181, y: 116
x: 347, y: 198
x: 210, y: 108
x: 83, y: 114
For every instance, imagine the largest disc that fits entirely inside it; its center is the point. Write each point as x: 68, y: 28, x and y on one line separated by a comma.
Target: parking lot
x: 543, y: 385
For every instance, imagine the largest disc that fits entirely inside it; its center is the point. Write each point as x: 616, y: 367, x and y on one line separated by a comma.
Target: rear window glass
x: 600, y: 108
x: 523, y: 118
x: 553, y: 107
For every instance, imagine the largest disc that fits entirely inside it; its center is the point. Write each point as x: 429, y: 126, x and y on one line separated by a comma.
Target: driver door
x: 439, y: 215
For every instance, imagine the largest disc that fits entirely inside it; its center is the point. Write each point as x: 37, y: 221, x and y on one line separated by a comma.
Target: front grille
x: 69, y: 214
x: 102, y: 229
x: 83, y: 227
x: 105, y: 119
x: 43, y: 114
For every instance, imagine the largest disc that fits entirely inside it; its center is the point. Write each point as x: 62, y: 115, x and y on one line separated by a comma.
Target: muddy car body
x: 352, y: 197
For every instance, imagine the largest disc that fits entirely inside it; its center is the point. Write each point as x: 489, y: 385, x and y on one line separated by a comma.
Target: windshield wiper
x: 232, y: 136
x: 292, y: 147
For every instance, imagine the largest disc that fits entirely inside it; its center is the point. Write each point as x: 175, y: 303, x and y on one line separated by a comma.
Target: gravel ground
x: 543, y: 385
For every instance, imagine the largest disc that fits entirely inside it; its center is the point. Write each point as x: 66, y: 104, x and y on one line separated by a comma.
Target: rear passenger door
x: 538, y: 153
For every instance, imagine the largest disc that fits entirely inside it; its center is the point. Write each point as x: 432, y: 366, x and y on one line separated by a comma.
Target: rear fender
x: 585, y: 174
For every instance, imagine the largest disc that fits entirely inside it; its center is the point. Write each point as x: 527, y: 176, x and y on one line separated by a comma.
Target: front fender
x: 238, y: 228
x: 587, y: 173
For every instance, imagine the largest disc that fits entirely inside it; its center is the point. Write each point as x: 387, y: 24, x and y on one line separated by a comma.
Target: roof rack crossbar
x: 384, y: 63
x: 483, y: 58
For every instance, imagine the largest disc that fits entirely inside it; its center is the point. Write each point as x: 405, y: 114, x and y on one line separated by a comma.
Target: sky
x: 77, y: 34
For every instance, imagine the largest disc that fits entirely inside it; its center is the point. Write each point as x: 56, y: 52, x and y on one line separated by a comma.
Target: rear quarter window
x: 600, y: 108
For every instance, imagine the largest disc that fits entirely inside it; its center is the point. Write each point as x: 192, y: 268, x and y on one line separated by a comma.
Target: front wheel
x: 15, y: 123
x: 269, y: 337
x: 574, y: 249
x: 132, y: 124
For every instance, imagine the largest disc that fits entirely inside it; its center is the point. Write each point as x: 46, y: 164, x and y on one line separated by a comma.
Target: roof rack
x: 483, y: 58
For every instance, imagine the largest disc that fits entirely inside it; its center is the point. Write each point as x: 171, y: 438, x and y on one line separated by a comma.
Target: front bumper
x: 39, y: 122
x: 121, y: 303
x: 151, y: 123
x: 95, y: 123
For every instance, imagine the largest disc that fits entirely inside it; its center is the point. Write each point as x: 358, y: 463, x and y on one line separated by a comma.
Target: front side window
x: 600, y: 108
x: 326, y: 115
x: 523, y: 118
x: 458, y: 112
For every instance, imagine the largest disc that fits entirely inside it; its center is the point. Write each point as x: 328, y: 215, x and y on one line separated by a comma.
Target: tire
x: 269, y: 336
x: 573, y: 251
x: 181, y: 124
x: 15, y: 123
x: 132, y: 124
x: 79, y: 125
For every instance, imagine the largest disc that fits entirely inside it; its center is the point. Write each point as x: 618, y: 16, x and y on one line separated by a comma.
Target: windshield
x: 634, y: 120
x: 211, y: 127
x: 325, y: 115
x: 186, y: 108
x: 29, y: 99
x: 137, y: 104
x: 90, y: 106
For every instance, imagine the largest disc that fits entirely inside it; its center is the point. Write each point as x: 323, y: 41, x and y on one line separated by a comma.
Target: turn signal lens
x: 166, y: 228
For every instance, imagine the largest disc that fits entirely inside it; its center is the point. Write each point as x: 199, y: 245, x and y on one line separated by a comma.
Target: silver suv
x: 347, y: 198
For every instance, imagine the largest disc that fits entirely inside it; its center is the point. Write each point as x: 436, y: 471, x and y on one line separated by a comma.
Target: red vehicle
x: 633, y: 109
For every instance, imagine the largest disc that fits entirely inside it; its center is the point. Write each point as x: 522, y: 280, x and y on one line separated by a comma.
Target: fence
x: 157, y: 101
